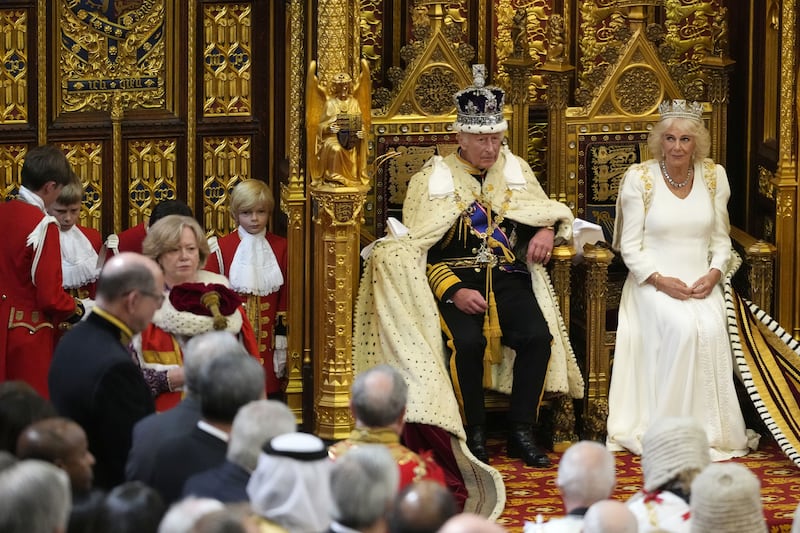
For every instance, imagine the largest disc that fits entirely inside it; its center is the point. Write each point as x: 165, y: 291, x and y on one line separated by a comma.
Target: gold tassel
x: 493, y: 354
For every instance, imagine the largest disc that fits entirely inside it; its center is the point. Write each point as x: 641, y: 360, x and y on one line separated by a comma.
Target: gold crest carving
x: 112, y: 46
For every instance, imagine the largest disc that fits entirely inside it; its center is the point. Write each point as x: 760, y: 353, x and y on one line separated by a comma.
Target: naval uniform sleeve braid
x: 442, y: 280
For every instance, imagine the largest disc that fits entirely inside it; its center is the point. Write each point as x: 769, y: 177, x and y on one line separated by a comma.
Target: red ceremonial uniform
x: 261, y: 310
x: 32, y: 299
x: 413, y: 467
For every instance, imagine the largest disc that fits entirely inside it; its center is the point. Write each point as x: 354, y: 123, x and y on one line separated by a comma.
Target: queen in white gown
x: 673, y: 355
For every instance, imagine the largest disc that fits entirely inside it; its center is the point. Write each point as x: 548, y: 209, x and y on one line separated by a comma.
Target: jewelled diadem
x: 681, y: 109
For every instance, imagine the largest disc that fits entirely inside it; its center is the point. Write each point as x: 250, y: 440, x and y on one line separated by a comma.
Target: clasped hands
x: 679, y: 290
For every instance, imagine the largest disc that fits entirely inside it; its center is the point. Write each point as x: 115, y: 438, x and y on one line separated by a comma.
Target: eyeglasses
x: 157, y: 296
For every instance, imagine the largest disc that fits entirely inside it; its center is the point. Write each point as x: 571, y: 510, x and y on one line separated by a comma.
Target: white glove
x: 279, y: 356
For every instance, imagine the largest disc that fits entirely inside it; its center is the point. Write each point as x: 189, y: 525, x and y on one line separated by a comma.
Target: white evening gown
x: 673, y: 357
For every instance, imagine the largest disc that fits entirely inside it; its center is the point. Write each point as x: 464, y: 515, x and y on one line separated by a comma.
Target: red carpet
x: 532, y: 491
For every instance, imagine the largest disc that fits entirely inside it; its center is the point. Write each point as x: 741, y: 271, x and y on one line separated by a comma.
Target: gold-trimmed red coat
x: 263, y: 311
x: 32, y: 299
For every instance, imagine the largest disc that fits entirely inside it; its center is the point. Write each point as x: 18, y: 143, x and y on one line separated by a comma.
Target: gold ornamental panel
x: 226, y: 162
x: 14, y: 66
x: 521, y: 21
x: 86, y: 158
x: 11, y: 158
x: 109, y: 48
x: 151, y: 176
x: 227, y: 60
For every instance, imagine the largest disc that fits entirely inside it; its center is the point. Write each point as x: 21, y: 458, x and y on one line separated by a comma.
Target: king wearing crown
x: 471, y: 272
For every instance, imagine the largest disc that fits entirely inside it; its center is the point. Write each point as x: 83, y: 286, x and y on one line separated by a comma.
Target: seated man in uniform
x: 471, y: 270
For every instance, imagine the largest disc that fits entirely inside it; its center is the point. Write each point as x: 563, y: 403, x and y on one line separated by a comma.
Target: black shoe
x: 521, y: 444
x: 476, y: 442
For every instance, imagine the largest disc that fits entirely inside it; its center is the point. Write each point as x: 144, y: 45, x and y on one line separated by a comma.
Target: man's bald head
x: 131, y: 287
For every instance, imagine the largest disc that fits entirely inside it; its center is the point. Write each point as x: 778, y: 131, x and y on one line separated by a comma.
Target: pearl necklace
x: 671, y: 181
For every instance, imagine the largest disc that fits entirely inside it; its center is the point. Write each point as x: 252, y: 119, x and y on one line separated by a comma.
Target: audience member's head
x: 62, y: 442
x: 291, y: 484
x: 131, y: 287
x: 231, y: 519
x: 85, y: 513
x: 168, y: 207
x: 726, y: 498
x: 470, y: 523
x: 422, y: 507
x: 20, y: 406
x: 674, y: 451
x: 255, y: 424
x: 201, y: 349
x: 7, y: 459
x: 586, y: 474
x: 379, y: 397
x: 183, y: 515
x: 34, y: 498
x: 132, y: 507
x: 609, y: 516
x: 228, y: 382
x: 363, y: 485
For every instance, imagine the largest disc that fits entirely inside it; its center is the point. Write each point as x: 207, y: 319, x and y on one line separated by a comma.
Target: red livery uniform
x: 264, y: 293
x: 32, y: 298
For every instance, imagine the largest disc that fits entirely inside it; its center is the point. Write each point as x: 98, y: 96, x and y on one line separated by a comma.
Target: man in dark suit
x: 94, y: 379
x: 150, y: 433
x: 226, y: 383
x: 255, y: 424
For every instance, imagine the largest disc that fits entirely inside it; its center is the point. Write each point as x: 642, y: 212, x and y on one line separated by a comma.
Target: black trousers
x: 524, y: 329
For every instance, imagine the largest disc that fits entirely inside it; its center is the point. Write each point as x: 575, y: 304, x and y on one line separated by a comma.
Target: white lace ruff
x: 78, y: 259
x: 255, y: 269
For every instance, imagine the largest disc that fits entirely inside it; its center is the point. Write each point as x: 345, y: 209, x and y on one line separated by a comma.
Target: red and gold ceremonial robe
x: 160, y: 346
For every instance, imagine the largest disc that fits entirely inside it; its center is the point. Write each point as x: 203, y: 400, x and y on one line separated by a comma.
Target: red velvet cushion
x: 187, y: 297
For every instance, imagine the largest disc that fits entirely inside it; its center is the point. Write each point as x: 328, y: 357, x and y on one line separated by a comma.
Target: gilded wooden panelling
x: 227, y: 60
x: 519, y: 20
x: 11, y: 158
x: 410, y: 40
x: 151, y: 176
x: 690, y: 32
x: 14, y: 66
x: 86, y: 159
x: 372, y: 36
x: 107, y: 47
x: 537, y: 151
x: 226, y: 162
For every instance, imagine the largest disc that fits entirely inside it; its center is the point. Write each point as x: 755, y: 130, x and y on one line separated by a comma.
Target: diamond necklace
x: 672, y: 181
